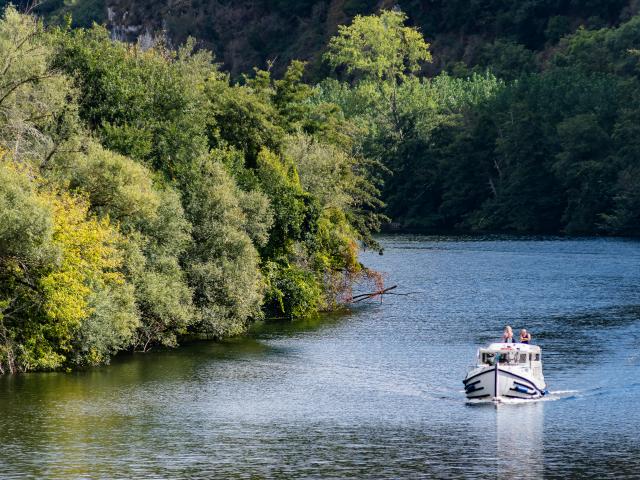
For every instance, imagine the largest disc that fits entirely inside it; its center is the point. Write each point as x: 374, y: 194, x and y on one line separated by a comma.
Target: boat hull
x: 491, y: 383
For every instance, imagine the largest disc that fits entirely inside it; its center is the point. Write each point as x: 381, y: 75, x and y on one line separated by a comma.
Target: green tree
x: 36, y: 119
x: 158, y: 234
x: 145, y: 104
x: 222, y: 262
x: 242, y: 117
x: 378, y: 47
x: 51, y: 293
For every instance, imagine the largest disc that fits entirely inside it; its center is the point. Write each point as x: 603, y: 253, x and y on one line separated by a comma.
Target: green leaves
x: 292, y: 291
x: 145, y: 104
x: 158, y: 234
x: 25, y: 220
x: 51, y: 290
x: 378, y: 47
x: 241, y: 117
x: 145, y: 198
x: 222, y: 262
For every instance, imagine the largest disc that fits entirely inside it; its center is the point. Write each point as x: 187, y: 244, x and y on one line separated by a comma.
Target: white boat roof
x: 521, y: 347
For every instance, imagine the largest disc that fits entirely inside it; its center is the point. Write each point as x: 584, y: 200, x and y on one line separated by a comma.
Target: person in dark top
x: 525, y: 337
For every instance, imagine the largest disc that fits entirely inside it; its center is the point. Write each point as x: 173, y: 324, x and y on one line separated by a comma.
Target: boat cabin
x: 516, y: 354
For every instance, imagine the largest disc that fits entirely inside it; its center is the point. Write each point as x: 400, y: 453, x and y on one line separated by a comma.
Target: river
x: 376, y: 393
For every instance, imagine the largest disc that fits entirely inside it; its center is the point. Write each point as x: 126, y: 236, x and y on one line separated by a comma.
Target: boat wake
x: 561, y: 395
x: 556, y: 395
x: 550, y: 397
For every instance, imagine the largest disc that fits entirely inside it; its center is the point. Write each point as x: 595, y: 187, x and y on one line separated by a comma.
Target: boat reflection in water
x: 520, y: 448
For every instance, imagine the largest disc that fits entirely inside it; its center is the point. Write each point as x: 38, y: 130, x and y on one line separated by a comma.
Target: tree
x: 242, y: 117
x: 587, y: 178
x: 378, y: 47
x: 51, y: 293
x: 26, y: 228
x: 222, y: 262
x: 158, y: 234
x: 36, y: 119
x: 147, y: 104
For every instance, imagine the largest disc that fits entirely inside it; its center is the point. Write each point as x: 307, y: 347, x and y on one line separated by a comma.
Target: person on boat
x: 525, y: 337
x: 507, y: 335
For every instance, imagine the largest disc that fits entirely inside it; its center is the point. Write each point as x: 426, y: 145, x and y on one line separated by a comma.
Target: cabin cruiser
x: 506, y: 370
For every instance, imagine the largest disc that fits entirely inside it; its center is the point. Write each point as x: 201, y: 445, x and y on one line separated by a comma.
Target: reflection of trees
x: 106, y: 421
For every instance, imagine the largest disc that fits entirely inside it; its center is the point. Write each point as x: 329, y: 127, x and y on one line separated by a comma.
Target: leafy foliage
x: 378, y: 47
x: 51, y: 291
x: 542, y: 152
x: 146, y: 198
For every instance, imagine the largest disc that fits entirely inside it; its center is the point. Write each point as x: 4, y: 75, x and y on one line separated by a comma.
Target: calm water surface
x: 376, y: 393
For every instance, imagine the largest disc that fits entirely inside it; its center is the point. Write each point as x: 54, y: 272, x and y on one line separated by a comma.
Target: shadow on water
x: 309, y: 324
x: 187, y: 364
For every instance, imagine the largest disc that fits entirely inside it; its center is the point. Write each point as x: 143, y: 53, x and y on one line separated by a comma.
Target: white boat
x: 506, y: 370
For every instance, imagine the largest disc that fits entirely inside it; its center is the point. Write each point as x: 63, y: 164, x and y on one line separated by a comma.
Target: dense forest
x: 520, y: 120
x: 150, y: 194
x: 551, y: 147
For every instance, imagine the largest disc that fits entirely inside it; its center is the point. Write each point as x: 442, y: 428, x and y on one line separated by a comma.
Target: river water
x: 376, y: 393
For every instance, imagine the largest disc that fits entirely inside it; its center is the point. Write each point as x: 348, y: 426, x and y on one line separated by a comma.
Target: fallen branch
x: 363, y: 296
x: 380, y: 293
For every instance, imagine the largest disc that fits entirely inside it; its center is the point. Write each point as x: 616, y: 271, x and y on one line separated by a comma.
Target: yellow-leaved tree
x: 50, y: 292
x: 86, y: 268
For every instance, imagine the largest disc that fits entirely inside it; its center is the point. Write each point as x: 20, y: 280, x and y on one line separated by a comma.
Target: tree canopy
x: 147, y: 196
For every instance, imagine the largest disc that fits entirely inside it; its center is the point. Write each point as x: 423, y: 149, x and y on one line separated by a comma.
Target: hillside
x: 535, y: 137
x: 248, y: 33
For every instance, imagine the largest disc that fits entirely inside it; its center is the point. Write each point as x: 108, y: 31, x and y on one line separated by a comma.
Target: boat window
x: 508, y: 357
x: 487, y: 358
x: 523, y: 358
x: 537, y: 357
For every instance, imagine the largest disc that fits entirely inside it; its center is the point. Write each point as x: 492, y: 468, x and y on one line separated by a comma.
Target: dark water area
x: 376, y: 393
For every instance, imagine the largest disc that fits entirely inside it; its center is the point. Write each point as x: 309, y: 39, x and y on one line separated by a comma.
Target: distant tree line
x: 551, y: 148
x: 246, y: 33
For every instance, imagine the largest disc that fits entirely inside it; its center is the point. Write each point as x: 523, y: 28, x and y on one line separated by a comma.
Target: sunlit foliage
x: 145, y: 198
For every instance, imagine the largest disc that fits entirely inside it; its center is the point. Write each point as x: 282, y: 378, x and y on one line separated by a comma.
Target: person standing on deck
x: 507, y: 335
x: 525, y: 337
